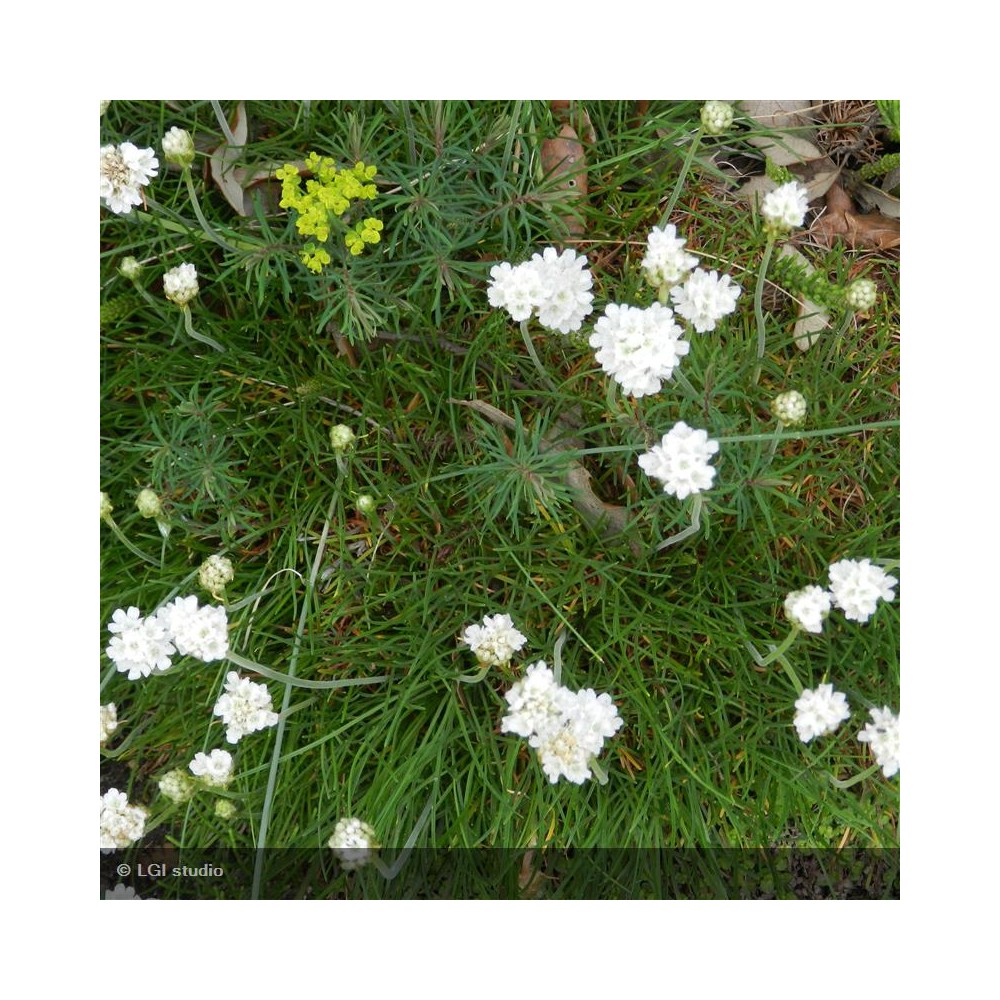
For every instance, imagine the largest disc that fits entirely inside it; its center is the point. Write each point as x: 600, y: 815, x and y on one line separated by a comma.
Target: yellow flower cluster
x: 328, y: 193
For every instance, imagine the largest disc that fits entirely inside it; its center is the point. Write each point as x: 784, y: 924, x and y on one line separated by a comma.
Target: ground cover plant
x: 511, y: 475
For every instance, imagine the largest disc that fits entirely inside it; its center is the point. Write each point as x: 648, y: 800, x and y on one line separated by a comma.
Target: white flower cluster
x: 820, y: 711
x: 567, y: 728
x: 197, y: 631
x: 680, y: 460
x: 121, y: 824
x: 553, y: 286
x: 109, y: 721
x: 638, y: 348
x: 666, y: 263
x: 883, y: 735
x: 121, y: 891
x: 141, y: 646
x: 353, y: 842
x: 857, y: 586
x: 808, y: 608
x: 125, y: 169
x: 180, y: 284
x: 705, y: 298
x: 244, y: 707
x: 215, y: 768
x: 784, y: 208
x: 494, y: 641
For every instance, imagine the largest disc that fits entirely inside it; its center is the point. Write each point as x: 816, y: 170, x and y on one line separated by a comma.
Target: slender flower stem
x: 307, y: 599
x: 475, y: 678
x: 681, y: 177
x: 599, y: 772
x: 776, y: 652
x: 758, y: 306
x: 697, y: 503
x: 291, y: 680
x: 534, y: 355
x: 867, y: 773
x: 193, y: 333
x: 200, y: 215
x: 120, y: 535
x: 557, y: 656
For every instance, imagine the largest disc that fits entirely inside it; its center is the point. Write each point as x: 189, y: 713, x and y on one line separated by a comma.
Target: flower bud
x: 178, y: 147
x: 353, y: 843
x: 104, y: 107
x: 366, y: 504
x: 716, y: 117
x: 861, y: 294
x: 148, y: 504
x: 130, y: 268
x: 215, y: 572
x: 180, y: 284
x: 225, y: 808
x: 178, y: 786
x: 341, y: 437
x: 789, y: 407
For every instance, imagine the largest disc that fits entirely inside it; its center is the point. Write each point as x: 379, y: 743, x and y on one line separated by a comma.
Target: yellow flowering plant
x: 328, y: 194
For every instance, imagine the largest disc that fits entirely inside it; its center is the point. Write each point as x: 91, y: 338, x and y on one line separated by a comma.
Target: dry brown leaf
x: 226, y: 175
x: 565, y: 166
x: 840, y: 221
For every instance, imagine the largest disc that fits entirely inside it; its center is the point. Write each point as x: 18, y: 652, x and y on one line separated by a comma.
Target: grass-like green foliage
x: 474, y: 518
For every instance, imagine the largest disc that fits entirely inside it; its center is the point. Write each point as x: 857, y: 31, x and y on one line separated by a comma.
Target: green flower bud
x: 225, y: 808
x: 716, y: 117
x: 178, y: 147
x: 148, y: 504
x: 366, y: 503
x: 789, y: 407
x: 341, y: 437
x: 215, y: 572
x: 861, y: 294
x: 130, y: 268
x: 178, y: 786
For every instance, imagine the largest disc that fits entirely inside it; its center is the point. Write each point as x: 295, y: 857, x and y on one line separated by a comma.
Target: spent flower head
x: 808, y: 608
x: 857, y: 587
x: 215, y: 574
x: 716, y: 117
x: 180, y: 284
x: 705, y: 298
x: 125, y: 171
x: 666, y: 263
x: 494, y: 641
x: 353, y: 843
x: 638, y: 348
x: 680, y: 461
x: 789, y: 407
x: 784, y: 208
x: 244, y: 707
x: 178, y: 147
x: 820, y: 711
x: 882, y: 734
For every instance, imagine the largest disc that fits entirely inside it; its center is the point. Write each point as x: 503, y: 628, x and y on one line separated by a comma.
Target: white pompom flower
x: 680, y: 461
x: 820, y: 711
